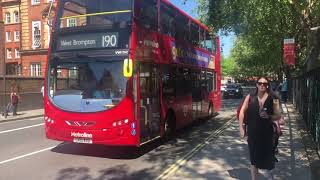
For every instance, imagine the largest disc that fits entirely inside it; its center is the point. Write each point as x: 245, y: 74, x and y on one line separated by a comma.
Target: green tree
x: 228, y: 66
x: 261, y: 27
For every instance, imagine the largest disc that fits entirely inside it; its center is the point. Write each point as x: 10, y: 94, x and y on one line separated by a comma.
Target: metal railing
x: 306, y: 98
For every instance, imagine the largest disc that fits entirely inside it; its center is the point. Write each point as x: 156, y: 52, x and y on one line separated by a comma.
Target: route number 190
x: 109, y: 41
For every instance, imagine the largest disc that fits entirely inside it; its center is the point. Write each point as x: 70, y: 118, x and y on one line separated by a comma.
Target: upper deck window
x: 209, y: 42
x: 182, y: 27
x: 94, y: 13
x: 194, y: 34
x: 167, y: 20
x: 147, y: 13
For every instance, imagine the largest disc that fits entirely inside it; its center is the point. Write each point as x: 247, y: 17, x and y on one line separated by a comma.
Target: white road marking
x: 26, y: 155
x: 17, y: 129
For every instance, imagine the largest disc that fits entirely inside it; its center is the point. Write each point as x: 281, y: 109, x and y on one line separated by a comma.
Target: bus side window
x: 196, y: 90
x: 148, y: 16
x: 211, y: 80
x: 203, y: 80
x: 169, y: 81
x: 167, y: 20
x: 194, y: 34
x: 182, y: 28
x: 183, y: 83
x: 203, y: 38
x: 210, y: 46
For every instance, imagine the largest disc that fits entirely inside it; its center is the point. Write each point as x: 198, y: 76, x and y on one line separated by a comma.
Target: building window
x: 17, y: 53
x: 9, y: 53
x: 35, y: 69
x: 71, y: 22
x: 12, y: 68
x: 59, y: 73
x: 8, y: 18
x: 8, y: 36
x: 34, y: 2
x: 16, y: 17
x: 17, y: 36
x: 36, y: 34
x: 73, y: 72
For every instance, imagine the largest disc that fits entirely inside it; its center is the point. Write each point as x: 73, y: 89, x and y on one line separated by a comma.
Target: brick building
x: 35, y: 36
x: 12, y: 25
x: 27, y: 35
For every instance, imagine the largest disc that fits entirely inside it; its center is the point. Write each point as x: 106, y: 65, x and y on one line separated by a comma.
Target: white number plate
x: 82, y: 140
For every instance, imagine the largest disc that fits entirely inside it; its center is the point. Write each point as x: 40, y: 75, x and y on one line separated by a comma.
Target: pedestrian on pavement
x: 284, y: 90
x: 261, y: 110
x: 42, y: 90
x: 14, y: 97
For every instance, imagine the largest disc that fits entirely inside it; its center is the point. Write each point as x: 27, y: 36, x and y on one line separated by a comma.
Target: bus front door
x: 149, y: 102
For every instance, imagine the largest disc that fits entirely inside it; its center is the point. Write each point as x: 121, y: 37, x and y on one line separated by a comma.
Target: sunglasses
x: 261, y: 83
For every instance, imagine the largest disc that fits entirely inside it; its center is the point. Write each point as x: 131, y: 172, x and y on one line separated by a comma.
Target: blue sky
x: 226, y: 41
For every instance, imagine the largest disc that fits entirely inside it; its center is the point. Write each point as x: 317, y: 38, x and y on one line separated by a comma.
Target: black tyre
x: 211, y: 111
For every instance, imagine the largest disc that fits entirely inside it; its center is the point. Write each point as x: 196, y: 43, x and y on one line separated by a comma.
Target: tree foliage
x: 261, y: 27
x: 228, y: 66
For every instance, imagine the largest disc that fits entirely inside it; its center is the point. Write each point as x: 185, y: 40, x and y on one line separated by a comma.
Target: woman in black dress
x: 261, y: 109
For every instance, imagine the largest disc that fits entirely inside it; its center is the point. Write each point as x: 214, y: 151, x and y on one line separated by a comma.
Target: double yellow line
x: 181, y: 162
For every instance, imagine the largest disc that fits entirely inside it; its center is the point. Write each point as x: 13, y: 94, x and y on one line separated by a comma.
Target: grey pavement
x: 23, y: 115
x: 227, y: 156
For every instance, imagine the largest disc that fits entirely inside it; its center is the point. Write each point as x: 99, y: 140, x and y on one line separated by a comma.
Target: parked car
x: 233, y: 90
x: 223, y: 87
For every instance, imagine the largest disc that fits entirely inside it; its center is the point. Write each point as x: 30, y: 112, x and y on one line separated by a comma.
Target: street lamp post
x: 4, y: 84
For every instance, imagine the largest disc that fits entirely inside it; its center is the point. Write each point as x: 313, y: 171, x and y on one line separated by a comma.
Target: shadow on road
x: 94, y: 150
x: 119, y: 172
x: 130, y: 152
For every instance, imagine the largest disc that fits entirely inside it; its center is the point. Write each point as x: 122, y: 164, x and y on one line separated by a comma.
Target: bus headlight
x: 120, y: 123
x: 48, y: 120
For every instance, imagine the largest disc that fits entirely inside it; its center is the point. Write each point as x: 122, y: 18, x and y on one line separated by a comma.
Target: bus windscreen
x: 87, y: 85
x: 78, y: 13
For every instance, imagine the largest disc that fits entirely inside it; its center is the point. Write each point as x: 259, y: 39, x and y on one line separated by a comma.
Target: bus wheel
x: 169, y: 126
x: 210, y: 111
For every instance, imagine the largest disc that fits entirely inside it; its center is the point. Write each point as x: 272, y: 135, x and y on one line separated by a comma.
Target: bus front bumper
x: 123, y: 136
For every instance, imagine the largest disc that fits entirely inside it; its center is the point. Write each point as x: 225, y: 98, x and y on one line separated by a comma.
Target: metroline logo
x: 83, y: 135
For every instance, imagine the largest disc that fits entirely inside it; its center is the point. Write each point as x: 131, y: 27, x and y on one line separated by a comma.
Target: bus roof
x: 185, y: 14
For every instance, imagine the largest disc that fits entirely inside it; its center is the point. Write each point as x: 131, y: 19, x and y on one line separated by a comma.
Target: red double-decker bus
x: 124, y: 72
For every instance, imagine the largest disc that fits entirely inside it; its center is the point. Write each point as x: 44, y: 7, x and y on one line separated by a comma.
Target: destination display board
x: 88, y: 41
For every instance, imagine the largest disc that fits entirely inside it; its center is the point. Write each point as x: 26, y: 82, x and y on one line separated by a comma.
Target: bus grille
x: 80, y: 123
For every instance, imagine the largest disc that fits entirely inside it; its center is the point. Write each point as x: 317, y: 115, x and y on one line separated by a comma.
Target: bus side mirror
x: 127, y: 68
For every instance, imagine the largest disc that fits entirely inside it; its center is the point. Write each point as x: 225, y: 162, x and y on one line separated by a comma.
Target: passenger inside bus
x: 88, y: 85
x: 108, y: 87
